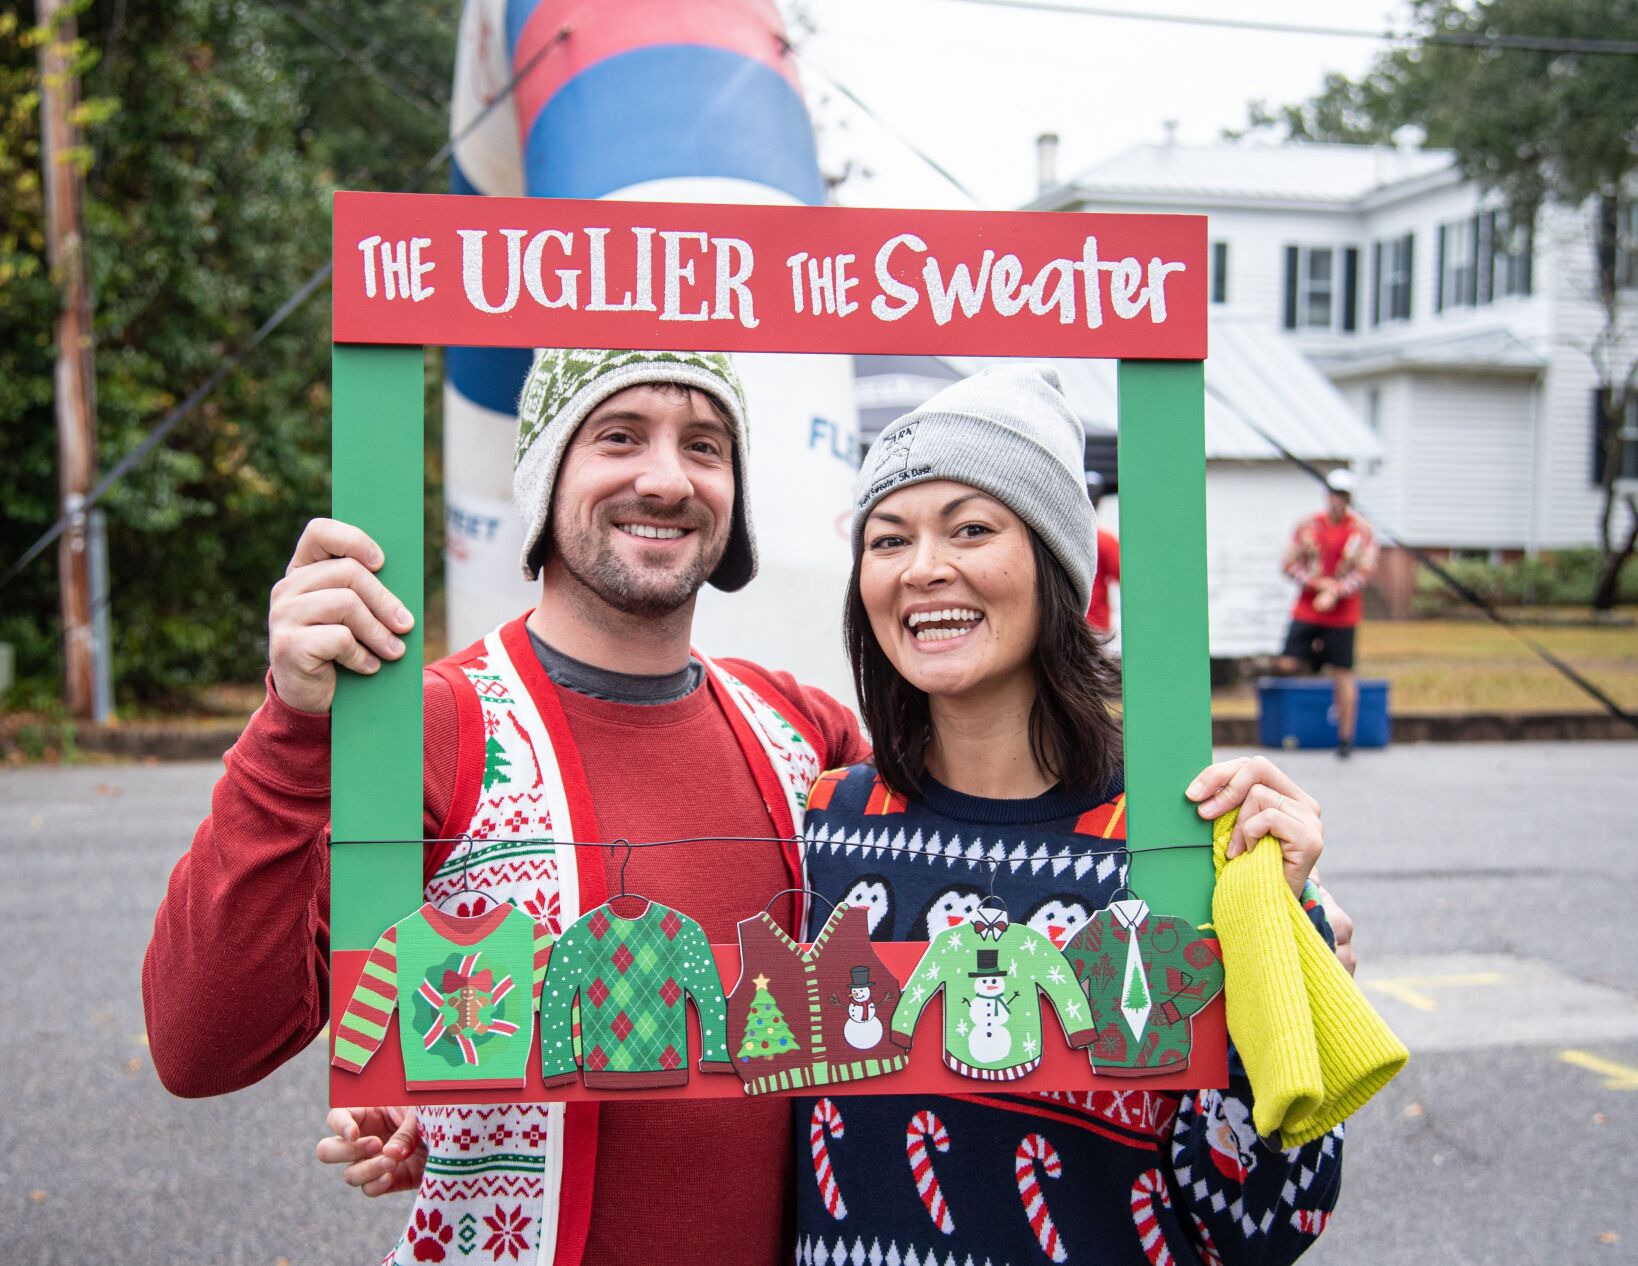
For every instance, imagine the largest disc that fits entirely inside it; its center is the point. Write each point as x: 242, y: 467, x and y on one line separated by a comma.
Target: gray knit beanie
x: 566, y: 384
x: 1007, y: 431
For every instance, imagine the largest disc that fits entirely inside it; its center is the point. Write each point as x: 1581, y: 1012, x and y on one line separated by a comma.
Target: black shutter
x: 1350, y: 289
x: 1376, y: 283
x: 1601, y: 426
x: 1439, y: 274
x: 1219, y: 272
x: 1471, y: 292
x: 1528, y: 265
x: 1290, y: 287
x: 1403, y: 308
x: 1487, y: 256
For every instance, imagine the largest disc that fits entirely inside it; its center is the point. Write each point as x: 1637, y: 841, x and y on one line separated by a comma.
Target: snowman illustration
x: 863, y: 1029
x: 989, y: 1042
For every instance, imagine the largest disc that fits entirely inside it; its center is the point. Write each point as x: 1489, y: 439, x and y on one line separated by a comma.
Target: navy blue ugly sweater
x: 1141, y: 1177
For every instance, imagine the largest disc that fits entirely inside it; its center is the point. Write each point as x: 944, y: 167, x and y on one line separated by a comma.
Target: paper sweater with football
x: 993, y: 974
x: 632, y: 976
x: 1232, y: 1197
x: 465, y: 990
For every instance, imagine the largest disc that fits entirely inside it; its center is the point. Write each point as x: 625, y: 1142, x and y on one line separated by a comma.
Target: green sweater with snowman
x: 992, y: 974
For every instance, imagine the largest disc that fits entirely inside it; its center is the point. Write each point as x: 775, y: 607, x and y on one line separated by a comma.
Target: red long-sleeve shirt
x: 235, y: 980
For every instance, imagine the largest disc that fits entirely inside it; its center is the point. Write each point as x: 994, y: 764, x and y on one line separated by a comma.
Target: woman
x: 989, y: 701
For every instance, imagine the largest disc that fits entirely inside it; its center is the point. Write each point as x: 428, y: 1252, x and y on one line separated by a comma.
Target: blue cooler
x: 1301, y: 712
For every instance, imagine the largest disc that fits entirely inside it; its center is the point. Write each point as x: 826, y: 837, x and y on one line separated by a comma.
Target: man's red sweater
x: 236, y: 981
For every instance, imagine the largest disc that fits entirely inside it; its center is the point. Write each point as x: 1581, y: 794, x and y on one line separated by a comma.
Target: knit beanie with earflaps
x: 1007, y: 431
x: 566, y: 384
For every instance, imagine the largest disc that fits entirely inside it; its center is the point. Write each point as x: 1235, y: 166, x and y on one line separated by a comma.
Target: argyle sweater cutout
x: 465, y: 988
x: 1146, y: 975
x: 1113, y: 1177
x: 631, y: 976
x: 993, y: 974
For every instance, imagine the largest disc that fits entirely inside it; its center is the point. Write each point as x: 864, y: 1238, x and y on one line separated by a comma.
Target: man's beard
x: 652, y: 592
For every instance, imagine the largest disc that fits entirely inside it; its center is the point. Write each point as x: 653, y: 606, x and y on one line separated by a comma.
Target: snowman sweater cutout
x: 811, y: 1017
x: 993, y: 974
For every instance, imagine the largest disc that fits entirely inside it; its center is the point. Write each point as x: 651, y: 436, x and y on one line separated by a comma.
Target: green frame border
x: 376, y: 755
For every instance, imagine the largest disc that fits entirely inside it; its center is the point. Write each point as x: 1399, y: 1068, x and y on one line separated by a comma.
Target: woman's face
x: 947, y: 578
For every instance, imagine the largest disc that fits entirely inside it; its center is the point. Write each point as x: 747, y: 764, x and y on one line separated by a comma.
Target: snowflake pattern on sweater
x: 922, y: 1178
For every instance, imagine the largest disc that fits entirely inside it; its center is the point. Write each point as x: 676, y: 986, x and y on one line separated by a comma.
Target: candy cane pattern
x: 923, y: 1126
x: 1209, y: 1256
x: 1035, y: 1148
x: 1150, y: 1187
x: 1310, y: 1221
x: 825, y: 1115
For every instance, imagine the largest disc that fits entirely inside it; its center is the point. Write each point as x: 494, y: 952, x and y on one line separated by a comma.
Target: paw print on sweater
x: 428, y: 1234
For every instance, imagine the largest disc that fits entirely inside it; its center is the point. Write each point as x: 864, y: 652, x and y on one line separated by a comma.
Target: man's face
x: 644, y: 500
x: 1336, y: 505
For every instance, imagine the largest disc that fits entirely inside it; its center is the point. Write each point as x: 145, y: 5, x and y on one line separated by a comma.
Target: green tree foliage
x: 1536, y: 126
x: 216, y: 132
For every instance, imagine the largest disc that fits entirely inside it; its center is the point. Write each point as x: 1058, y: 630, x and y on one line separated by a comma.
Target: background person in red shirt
x: 1332, y: 556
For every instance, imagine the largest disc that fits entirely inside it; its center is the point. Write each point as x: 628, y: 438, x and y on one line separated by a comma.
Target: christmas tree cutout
x: 766, y: 1033
x: 1135, y: 1003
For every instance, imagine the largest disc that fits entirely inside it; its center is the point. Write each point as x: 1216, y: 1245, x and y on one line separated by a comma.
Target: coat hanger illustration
x: 466, y: 887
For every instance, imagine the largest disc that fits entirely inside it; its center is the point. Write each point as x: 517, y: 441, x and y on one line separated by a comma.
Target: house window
x: 1310, y: 287
x: 1458, y: 264
x: 1219, y: 272
x: 1391, y: 263
x: 1629, y: 438
x: 1626, y: 246
x: 1512, y: 246
x: 1314, y: 287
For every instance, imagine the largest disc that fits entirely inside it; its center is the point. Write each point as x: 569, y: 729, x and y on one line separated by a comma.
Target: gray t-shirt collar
x: 602, y: 683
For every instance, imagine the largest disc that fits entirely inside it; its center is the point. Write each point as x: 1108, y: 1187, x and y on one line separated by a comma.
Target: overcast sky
x: 973, y: 85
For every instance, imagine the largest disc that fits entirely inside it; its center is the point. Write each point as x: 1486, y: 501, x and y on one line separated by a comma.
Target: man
x: 588, y: 719
x: 1332, y: 556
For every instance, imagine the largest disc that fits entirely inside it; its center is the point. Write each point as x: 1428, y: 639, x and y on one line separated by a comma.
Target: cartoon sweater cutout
x: 1145, y: 975
x: 631, y: 976
x: 467, y: 1020
x: 811, y: 1018
x: 992, y: 973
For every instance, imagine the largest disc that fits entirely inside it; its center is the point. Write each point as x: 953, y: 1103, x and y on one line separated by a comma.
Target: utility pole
x: 76, y: 369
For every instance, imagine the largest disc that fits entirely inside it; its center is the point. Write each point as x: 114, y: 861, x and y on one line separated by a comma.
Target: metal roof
x: 1253, y: 375
x: 1497, y: 351
x: 1299, y: 172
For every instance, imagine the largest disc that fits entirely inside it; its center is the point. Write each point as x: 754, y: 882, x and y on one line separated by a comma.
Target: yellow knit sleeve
x: 1314, y: 1049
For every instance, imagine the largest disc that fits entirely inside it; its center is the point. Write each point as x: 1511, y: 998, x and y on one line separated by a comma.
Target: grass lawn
x: 1477, y: 666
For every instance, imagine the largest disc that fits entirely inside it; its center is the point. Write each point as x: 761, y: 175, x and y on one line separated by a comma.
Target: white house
x: 1259, y: 388
x: 1457, y: 336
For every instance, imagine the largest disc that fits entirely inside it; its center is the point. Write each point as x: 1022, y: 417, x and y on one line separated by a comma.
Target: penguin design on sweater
x: 873, y: 893
x: 949, y: 908
x: 1059, y: 917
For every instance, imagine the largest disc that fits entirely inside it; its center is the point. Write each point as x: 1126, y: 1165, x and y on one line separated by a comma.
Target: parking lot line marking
x: 1616, y: 1076
x: 1409, y: 989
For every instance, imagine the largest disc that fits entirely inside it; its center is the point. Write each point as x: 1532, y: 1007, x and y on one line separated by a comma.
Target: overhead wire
x: 437, y: 109
x: 865, y: 108
x: 1456, y: 39
x: 1454, y: 584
